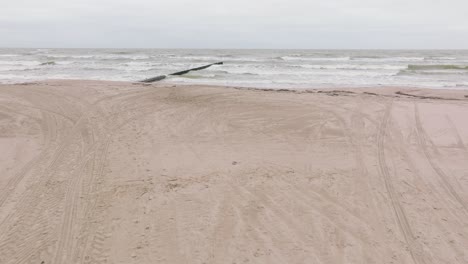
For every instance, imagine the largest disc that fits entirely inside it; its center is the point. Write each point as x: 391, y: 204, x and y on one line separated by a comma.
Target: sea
x: 244, y: 68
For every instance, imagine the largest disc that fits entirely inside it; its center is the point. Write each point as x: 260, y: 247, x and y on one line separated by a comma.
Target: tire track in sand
x: 456, y: 134
x: 422, y: 139
x: 34, y: 224
x: 399, y: 211
x: 48, y: 132
x: 93, y: 249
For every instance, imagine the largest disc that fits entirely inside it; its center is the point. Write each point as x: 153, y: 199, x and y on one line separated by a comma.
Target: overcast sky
x: 328, y: 24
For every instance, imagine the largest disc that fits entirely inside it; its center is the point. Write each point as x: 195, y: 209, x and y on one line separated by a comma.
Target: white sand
x: 107, y: 172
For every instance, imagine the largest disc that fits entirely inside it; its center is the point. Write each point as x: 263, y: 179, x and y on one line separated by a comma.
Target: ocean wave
x: 353, y: 67
x: 226, y: 59
x: 121, y: 52
x: 366, y: 57
x: 18, y: 68
x: 248, y: 74
x: 302, y: 67
x: 379, y: 58
x: 99, y: 68
x: 48, y: 63
x: 20, y: 63
x: 122, y: 57
x: 220, y: 72
x: 97, y: 57
x: 458, y: 73
x: 196, y: 76
x: 432, y: 73
x: 430, y: 58
x: 65, y: 56
x: 304, y: 73
x: 412, y: 67
x: 294, y: 58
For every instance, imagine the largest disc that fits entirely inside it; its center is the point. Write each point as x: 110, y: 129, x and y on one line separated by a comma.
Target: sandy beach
x: 116, y: 172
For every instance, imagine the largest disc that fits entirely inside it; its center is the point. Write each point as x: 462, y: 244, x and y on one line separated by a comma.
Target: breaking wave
x: 436, y: 67
x: 298, y: 58
x: 387, y: 59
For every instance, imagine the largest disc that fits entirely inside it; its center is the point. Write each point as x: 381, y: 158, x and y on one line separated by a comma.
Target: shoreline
x: 122, y: 172
x: 456, y: 93
x: 271, y: 68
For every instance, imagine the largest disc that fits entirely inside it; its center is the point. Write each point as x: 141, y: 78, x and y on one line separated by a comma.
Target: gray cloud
x: 235, y: 23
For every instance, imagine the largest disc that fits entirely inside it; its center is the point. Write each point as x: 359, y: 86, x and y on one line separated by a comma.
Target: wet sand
x: 113, y: 172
